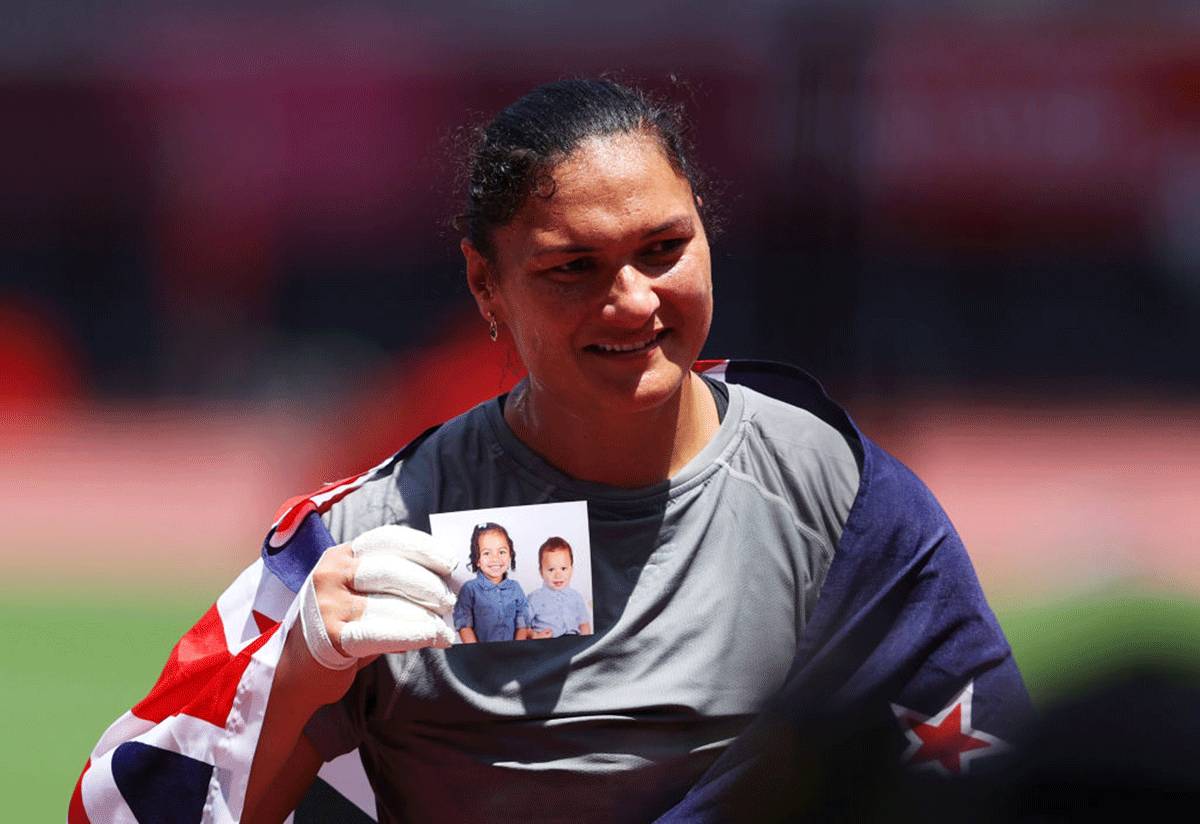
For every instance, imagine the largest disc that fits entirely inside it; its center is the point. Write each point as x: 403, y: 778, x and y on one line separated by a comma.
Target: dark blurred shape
x: 915, y: 196
x: 75, y: 189
x: 1127, y: 745
x: 456, y: 369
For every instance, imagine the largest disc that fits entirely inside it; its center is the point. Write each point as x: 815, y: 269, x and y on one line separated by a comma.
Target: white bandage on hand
x: 399, y: 571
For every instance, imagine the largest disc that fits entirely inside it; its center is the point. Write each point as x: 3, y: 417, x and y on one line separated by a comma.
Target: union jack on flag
x: 901, y: 625
x: 183, y: 754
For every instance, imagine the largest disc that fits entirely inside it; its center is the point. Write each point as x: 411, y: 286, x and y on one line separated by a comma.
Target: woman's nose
x: 632, y: 299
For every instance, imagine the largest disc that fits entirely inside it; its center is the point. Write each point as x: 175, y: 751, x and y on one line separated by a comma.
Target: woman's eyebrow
x: 566, y: 249
x: 681, y: 223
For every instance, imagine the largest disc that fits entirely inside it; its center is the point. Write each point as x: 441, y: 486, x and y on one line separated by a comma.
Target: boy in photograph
x: 558, y: 609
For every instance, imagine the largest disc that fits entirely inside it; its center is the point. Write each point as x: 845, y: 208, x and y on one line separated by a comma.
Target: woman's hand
x: 383, y: 592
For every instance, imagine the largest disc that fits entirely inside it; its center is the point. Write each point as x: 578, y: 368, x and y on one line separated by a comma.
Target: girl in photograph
x: 491, y: 606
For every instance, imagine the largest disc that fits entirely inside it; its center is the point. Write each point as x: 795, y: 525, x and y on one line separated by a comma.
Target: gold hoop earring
x: 493, y: 330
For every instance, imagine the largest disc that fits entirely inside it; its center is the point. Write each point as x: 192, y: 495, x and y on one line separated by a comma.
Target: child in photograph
x: 491, y: 606
x: 558, y: 609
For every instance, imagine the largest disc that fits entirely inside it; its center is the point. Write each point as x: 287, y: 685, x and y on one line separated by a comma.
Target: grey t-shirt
x: 701, y: 588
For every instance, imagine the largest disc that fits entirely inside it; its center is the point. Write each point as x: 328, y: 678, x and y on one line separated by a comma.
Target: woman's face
x: 495, y: 555
x: 606, y: 285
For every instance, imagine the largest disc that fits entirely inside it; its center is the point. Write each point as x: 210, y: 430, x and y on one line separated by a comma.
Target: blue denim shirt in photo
x: 494, y: 611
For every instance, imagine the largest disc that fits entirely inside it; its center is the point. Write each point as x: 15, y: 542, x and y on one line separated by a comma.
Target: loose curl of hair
x: 473, y: 564
x: 515, y: 154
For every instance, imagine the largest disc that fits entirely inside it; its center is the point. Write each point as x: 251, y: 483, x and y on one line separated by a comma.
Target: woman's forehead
x: 617, y: 186
x: 612, y: 151
x: 615, y: 166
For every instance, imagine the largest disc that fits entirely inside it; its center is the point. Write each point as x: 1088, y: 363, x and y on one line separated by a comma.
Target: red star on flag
x: 946, y: 742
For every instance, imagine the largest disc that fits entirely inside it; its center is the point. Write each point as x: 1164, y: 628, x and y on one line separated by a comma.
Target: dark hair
x: 473, y: 565
x: 515, y: 153
x: 551, y: 545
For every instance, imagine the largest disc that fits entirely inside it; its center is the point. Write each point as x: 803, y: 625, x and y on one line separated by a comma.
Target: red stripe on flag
x: 290, y: 522
x: 197, y: 657
x: 216, y: 700
x: 291, y: 509
x: 76, y: 814
x: 201, y: 676
x: 263, y: 622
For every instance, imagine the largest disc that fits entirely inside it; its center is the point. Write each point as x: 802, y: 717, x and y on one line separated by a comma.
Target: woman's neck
x: 628, y: 451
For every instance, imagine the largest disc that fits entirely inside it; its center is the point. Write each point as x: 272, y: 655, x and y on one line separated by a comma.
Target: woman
x: 762, y: 573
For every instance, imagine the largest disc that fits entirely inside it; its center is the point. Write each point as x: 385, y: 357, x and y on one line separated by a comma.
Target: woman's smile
x: 630, y: 350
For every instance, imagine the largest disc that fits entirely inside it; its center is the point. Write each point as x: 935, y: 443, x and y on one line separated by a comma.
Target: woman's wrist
x: 302, y: 682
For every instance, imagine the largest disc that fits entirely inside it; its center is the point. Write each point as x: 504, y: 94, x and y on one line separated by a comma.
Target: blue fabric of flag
x: 160, y: 787
x: 292, y: 562
x: 901, y: 619
x: 901, y: 624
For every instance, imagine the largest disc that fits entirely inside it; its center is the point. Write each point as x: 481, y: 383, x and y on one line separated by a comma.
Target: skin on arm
x: 467, y: 634
x: 585, y: 628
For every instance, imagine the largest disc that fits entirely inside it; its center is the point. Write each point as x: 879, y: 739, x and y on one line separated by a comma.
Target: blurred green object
x: 73, y: 664
x: 1072, y: 646
x: 77, y: 661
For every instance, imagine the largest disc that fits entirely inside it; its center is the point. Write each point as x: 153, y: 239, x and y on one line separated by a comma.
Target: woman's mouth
x: 631, y: 348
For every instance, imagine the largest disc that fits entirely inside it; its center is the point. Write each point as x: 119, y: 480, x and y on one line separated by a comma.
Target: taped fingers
x: 394, y: 625
x: 397, y: 569
x: 315, y: 636
x: 405, y: 542
x: 391, y: 575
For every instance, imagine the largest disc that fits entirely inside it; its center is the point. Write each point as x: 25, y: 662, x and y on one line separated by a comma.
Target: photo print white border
x: 528, y: 526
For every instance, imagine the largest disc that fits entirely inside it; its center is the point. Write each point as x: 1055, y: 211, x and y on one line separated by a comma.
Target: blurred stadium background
x: 226, y: 276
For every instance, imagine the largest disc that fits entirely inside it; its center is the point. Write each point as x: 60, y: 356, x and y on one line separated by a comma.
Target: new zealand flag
x: 183, y: 755
x: 902, y: 659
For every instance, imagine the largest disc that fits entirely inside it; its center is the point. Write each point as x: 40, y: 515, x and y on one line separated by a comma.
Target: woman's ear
x: 479, y: 279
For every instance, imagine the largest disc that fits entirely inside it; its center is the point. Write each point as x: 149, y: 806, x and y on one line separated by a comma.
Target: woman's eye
x: 572, y: 267
x: 666, y: 248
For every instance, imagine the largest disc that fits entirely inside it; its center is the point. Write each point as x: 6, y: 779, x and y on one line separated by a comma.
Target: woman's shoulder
x: 790, y: 422
x: 796, y: 446
x: 403, y: 488
x: 790, y: 407
x: 798, y: 436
